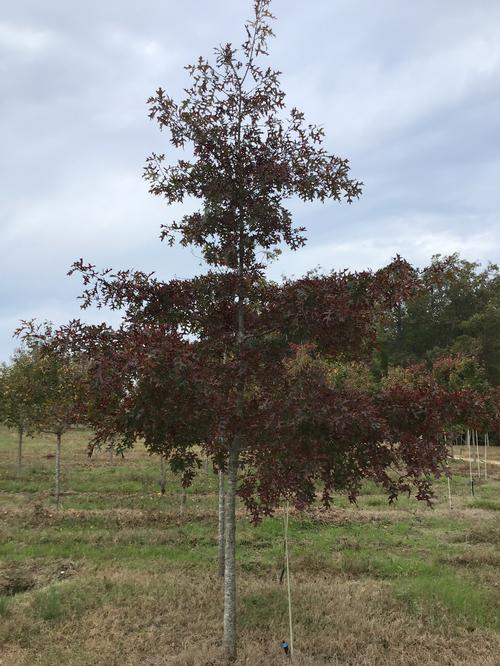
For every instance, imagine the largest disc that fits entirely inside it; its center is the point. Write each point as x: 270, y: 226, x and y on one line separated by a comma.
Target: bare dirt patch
x: 17, y: 577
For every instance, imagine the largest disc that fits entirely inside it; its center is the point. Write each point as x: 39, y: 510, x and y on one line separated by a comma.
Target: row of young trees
x: 41, y: 392
x: 272, y: 381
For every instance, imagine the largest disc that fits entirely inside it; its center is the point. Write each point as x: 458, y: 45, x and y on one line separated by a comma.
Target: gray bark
x: 230, y: 637
x: 221, y: 531
x: 58, y: 470
x: 234, y: 449
x: 486, y: 444
x: 448, y: 478
x: 182, y: 507
x: 20, y: 451
x: 230, y: 555
x: 162, y: 475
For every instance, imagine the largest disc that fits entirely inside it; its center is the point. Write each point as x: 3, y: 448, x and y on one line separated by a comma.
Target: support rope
x: 287, y: 564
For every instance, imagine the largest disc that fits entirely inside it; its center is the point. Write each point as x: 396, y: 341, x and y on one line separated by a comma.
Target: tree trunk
x: 230, y: 639
x: 486, y: 444
x: 234, y: 449
x: 20, y: 451
x: 162, y: 475
x: 448, y: 478
x: 58, y: 470
x: 110, y: 456
x: 221, y: 532
x: 182, y: 507
x: 230, y: 555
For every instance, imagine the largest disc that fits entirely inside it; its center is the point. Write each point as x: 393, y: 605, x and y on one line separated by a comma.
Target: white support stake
x: 467, y: 443
x: 477, y: 454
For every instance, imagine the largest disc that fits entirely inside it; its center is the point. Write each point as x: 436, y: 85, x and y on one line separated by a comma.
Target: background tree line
x: 458, y: 313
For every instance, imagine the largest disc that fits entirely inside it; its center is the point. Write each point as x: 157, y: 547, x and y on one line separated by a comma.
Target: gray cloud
x: 410, y: 92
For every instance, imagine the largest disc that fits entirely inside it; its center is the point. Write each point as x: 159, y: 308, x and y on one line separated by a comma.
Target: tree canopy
x: 457, y: 313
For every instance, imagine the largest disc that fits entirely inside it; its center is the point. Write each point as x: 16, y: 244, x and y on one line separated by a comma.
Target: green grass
x: 437, y: 592
x: 257, y: 607
x: 4, y: 605
x: 47, y: 604
x: 488, y: 504
x: 116, y: 543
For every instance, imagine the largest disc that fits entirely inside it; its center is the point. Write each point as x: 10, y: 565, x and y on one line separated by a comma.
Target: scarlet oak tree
x: 246, y: 157
x: 232, y: 353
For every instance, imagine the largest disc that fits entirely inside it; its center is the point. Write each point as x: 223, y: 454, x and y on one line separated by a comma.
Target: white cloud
x: 369, y: 102
x: 409, y: 91
x: 412, y: 238
x: 23, y: 38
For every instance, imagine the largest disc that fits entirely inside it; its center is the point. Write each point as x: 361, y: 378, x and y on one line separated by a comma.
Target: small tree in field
x: 58, y: 383
x: 19, y: 397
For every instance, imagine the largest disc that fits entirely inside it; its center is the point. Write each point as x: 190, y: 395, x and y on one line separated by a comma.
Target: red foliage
x: 232, y: 353
x: 167, y: 377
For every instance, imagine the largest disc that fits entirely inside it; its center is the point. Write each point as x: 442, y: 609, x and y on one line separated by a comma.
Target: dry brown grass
x: 128, y: 598
x: 492, y: 454
x: 175, y: 620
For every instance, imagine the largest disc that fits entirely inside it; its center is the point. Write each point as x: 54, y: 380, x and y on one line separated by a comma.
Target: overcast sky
x: 408, y: 91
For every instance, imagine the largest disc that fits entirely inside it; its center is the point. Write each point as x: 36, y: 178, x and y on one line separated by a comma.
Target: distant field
x: 116, y: 576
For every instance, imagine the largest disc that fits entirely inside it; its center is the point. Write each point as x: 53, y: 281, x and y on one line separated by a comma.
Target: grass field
x: 117, y: 576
